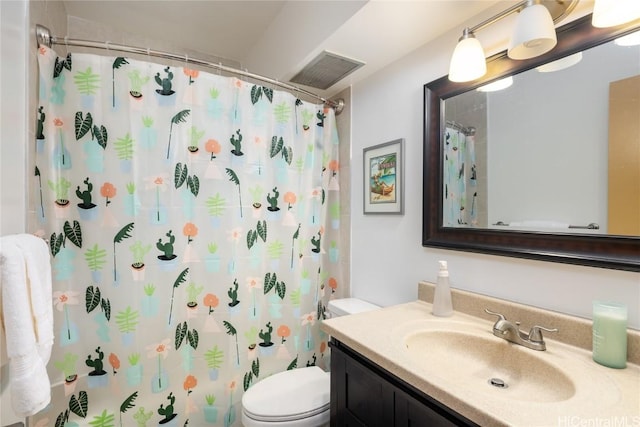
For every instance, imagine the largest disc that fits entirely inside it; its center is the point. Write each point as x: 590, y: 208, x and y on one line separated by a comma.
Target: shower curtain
x: 193, y: 222
x: 460, y: 207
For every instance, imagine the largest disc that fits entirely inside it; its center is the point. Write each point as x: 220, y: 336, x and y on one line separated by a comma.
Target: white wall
x: 13, y: 140
x: 387, y: 257
x: 13, y: 122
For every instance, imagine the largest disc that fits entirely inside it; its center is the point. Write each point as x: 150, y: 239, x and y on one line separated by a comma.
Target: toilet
x: 299, y: 397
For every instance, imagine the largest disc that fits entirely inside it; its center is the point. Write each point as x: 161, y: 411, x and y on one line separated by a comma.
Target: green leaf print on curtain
x: 225, y: 229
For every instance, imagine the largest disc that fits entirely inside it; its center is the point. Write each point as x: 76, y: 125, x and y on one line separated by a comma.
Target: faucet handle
x: 500, y: 316
x: 535, y: 334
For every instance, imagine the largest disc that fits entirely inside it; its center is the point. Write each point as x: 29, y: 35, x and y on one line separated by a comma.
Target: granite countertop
x: 599, y: 395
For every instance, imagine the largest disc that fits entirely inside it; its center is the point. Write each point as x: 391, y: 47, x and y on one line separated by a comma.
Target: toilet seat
x: 288, y: 396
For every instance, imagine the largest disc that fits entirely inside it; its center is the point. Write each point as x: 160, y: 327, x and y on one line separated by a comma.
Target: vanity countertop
x: 603, y: 396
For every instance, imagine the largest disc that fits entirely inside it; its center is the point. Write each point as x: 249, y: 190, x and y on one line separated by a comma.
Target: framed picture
x: 383, y: 178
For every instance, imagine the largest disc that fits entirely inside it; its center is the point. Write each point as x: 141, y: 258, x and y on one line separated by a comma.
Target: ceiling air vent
x: 326, y: 70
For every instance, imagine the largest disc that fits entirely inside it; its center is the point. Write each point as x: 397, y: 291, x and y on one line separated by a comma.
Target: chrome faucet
x: 511, y: 332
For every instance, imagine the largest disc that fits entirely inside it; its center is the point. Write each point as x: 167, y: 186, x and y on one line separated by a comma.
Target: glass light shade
x: 609, y: 13
x: 632, y: 39
x: 534, y: 33
x: 497, y: 85
x: 468, y: 61
x: 560, y: 64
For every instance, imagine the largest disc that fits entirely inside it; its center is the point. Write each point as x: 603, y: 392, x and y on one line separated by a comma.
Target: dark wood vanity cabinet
x: 365, y: 395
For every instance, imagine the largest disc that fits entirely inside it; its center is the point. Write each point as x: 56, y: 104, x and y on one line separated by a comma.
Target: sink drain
x: 497, y: 382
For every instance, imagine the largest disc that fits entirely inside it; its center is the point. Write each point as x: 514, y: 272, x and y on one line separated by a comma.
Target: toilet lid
x: 289, y: 395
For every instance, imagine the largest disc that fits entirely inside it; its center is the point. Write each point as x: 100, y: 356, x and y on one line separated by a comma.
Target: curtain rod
x: 44, y: 37
x: 466, y: 130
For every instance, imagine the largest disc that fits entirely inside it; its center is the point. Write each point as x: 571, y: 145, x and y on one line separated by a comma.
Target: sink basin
x: 487, y: 364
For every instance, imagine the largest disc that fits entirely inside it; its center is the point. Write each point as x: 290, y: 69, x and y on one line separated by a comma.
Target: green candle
x: 610, y: 334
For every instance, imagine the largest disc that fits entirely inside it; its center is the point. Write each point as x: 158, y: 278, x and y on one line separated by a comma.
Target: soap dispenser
x: 442, y: 298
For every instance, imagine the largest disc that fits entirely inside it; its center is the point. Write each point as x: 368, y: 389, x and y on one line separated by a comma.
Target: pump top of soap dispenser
x: 443, y: 269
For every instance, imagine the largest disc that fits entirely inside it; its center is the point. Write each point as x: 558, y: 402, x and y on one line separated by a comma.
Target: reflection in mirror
x: 533, y: 155
x: 479, y: 185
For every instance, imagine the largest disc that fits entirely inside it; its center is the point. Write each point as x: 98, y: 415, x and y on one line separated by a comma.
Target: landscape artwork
x: 383, y: 192
x: 382, y: 170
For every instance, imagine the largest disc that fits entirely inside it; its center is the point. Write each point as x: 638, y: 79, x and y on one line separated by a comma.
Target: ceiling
x: 278, y: 38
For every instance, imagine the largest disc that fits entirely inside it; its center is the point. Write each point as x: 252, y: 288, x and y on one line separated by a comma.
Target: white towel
x: 27, y: 319
x: 36, y: 254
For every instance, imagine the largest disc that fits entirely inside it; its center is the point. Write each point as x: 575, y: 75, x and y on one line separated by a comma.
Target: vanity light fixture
x: 533, y: 35
x: 610, y: 13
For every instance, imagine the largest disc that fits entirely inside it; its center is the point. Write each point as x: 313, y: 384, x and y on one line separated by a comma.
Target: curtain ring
x: 106, y: 43
x: 220, y: 69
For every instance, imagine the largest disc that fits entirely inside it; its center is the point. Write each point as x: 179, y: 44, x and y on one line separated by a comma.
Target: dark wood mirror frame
x: 614, y: 252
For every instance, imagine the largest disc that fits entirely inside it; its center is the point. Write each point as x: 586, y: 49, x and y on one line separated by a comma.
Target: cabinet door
x: 412, y: 413
x: 365, y: 395
x: 359, y: 397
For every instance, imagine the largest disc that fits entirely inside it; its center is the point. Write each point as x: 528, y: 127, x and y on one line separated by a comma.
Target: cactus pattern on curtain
x: 193, y: 221
x: 459, y: 180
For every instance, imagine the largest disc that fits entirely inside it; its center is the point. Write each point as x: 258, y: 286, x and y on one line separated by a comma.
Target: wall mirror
x: 558, y: 209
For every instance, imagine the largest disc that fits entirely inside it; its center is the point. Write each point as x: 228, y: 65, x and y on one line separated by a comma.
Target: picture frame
x: 383, y: 183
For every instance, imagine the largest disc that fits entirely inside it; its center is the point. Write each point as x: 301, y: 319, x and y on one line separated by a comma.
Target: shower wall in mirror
x: 465, y: 161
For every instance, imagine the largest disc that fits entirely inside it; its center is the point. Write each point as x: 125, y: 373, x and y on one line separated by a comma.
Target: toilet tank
x: 345, y: 306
